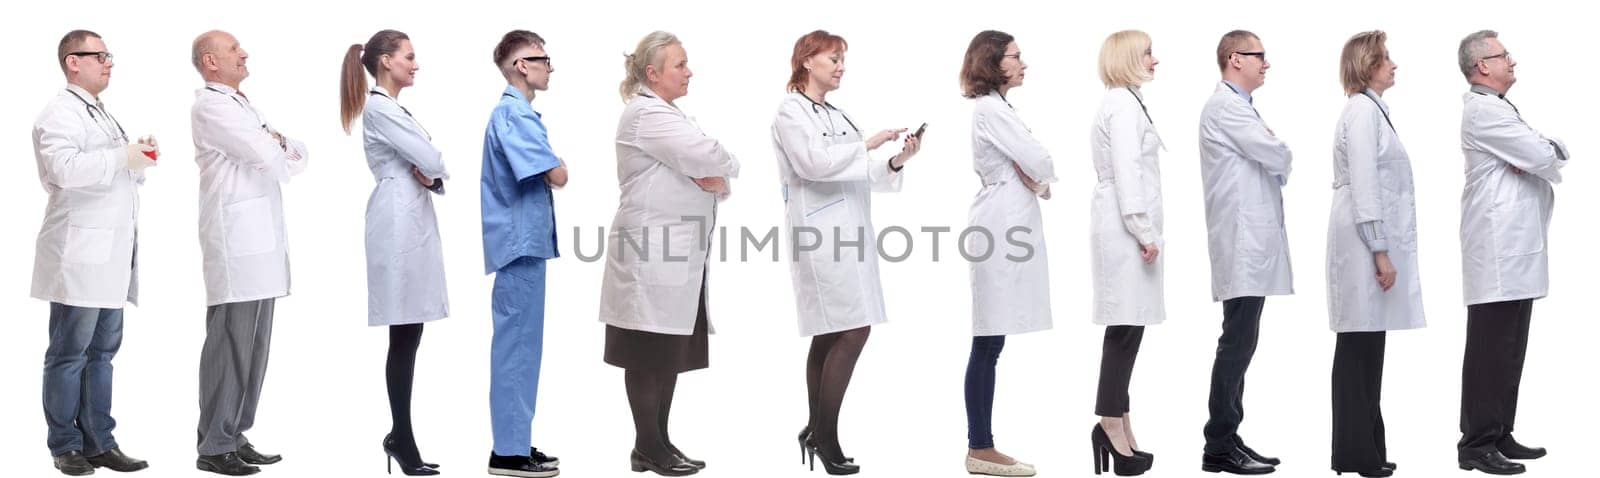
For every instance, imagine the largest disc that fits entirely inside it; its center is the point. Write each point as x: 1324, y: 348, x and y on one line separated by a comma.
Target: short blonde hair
x: 1363, y: 53
x: 1122, y: 59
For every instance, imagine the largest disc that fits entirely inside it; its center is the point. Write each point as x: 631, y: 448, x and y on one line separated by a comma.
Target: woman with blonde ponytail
x: 653, y: 301
x: 405, y: 260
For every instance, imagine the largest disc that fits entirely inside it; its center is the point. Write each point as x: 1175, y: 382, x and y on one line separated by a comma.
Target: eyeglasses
x: 102, y: 56
x: 1504, y: 54
x: 544, y: 59
x: 1258, y: 54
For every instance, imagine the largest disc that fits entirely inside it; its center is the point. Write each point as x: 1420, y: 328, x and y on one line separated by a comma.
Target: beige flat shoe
x: 980, y: 467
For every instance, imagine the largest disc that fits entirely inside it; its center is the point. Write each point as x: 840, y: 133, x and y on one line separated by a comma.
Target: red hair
x: 808, y: 46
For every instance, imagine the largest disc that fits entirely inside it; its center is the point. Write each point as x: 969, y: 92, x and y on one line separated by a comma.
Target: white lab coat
x: 1008, y: 296
x: 1125, y: 212
x: 85, y: 254
x: 1371, y: 182
x: 243, y: 240
x: 1243, y: 167
x: 828, y: 179
x: 405, y: 260
x: 659, y: 243
x: 1505, y: 217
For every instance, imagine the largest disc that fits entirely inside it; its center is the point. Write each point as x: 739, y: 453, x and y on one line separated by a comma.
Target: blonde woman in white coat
x: 405, y: 259
x: 1010, y: 293
x: 653, y: 301
x: 827, y: 178
x: 1373, y: 283
x: 1125, y: 236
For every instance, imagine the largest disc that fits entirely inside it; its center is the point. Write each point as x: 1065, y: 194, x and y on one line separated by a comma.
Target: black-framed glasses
x: 544, y: 59
x: 1504, y: 54
x: 102, y: 56
x: 1258, y: 54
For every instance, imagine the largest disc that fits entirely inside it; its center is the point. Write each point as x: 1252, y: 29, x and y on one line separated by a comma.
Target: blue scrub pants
x: 514, y: 355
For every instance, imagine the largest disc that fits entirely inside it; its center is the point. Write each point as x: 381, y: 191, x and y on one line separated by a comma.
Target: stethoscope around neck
x: 92, y: 108
x: 819, y: 109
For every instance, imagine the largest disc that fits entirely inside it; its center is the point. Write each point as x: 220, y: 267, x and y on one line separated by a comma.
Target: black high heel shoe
x: 805, y: 434
x: 409, y: 469
x: 675, y: 466
x: 840, y: 467
x: 1106, y: 456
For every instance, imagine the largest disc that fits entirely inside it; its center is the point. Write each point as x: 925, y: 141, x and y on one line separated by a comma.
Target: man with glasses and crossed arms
x: 86, y: 262
x: 1505, y: 224
x: 1244, y: 167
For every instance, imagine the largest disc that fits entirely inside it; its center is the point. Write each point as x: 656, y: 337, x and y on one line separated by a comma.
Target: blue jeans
x: 515, y: 352
x: 77, y: 378
x: 980, y: 389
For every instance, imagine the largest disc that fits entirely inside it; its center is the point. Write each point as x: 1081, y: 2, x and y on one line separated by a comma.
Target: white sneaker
x: 980, y: 467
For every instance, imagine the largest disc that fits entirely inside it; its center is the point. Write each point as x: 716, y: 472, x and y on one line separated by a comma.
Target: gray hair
x: 1473, y: 48
x: 646, y: 54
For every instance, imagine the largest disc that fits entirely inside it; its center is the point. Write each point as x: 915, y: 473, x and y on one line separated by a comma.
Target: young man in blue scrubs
x: 519, y: 171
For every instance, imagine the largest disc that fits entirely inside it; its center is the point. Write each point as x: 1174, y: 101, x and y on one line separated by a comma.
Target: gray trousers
x: 233, y: 363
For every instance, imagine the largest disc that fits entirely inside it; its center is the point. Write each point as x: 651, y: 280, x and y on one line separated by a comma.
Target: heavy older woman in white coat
x: 653, y: 300
x: 405, y: 260
x: 1373, y: 278
x: 1125, y: 227
x: 827, y: 177
x: 1010, y: 294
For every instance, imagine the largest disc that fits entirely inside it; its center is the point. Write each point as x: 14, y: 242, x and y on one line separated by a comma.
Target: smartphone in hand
x: 918, y: 134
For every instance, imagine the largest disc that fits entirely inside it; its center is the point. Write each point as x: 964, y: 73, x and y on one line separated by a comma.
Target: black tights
x: 650, y: 398
x: 398, y: 372
x: 828, y: 369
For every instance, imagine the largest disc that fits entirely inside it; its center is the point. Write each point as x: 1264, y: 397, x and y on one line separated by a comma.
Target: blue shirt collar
x: 1240, y: 91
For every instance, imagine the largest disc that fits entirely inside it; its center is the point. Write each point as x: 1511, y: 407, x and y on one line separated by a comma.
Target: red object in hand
x: 151, y: 155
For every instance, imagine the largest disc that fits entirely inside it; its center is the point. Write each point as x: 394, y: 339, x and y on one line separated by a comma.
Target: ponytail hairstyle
x: 352, y: 82
x: 648, y: 53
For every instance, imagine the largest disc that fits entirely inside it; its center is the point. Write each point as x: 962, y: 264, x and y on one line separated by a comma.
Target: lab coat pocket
x: 88, y: 244
x: 1259, y: 231
x: 1518, y: 228
x: 668, y: 263
x: 249, y: 227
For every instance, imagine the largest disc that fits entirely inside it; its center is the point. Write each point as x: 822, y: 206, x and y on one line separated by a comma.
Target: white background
x: 324, y: 405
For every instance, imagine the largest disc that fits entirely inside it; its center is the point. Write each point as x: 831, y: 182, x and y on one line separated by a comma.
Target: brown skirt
x: 640, y: 350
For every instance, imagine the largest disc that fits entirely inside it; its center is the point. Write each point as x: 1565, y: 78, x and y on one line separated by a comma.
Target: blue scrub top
x: 518, y: 211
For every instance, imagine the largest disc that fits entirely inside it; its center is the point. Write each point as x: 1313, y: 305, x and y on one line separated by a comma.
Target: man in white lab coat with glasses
x: 242, y: 160
x: 1505, y: 264
x: 85, y: 263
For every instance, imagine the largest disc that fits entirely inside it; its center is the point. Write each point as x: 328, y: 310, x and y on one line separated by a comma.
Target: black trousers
x: 1491, y: 373
x: 1358, y: 436
x: 1117, y: 354
x: 1241, y: 326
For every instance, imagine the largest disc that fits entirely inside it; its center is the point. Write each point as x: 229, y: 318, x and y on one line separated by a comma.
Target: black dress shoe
x: 1236, y: 462
x: 1378, y: 473
x: 691, y: 461
x: 671, y: 466
x: 225, y: 464
x: 1257, y: 456
x: 249, y: 454
x: 516, y: 465
x: 541, y: 458
x: 1516, y: 451
x: 116, y: 461
x: 72, y: 463
x: 1492, y: 463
